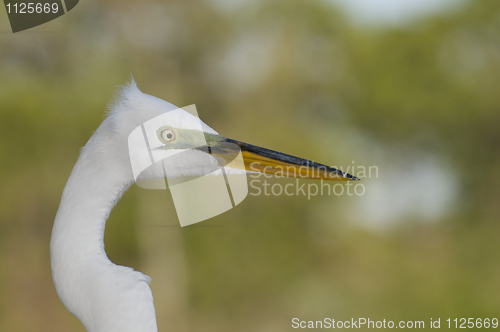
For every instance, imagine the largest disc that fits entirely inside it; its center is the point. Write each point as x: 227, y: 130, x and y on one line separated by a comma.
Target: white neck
x: 104, y: 296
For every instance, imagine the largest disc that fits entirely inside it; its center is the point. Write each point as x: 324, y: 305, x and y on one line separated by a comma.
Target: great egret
x: 104, y: 296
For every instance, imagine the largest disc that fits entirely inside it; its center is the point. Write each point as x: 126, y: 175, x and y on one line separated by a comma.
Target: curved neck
x: 104, y: 296
x: 94, y: 187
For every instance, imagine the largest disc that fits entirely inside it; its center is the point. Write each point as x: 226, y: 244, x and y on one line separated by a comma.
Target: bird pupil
x: 169, y: 135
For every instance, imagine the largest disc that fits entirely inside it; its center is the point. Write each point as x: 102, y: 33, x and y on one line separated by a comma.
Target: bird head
x: 189, y: 147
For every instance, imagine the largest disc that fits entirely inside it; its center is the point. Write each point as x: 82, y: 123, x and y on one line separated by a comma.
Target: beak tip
x: 348, y: 176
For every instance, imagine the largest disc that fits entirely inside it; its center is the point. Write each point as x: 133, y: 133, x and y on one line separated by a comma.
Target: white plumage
x: 104, y: 296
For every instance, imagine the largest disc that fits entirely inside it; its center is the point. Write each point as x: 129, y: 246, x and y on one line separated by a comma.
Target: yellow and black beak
x: 263, y: 160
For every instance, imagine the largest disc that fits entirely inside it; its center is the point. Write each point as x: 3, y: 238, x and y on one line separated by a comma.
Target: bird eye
x: 167, y: 135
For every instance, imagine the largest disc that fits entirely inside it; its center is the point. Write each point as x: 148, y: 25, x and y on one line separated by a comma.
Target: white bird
x: 110, y: 298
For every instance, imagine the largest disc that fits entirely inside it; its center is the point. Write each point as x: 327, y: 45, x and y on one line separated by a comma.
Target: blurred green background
x: 418, y: 98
